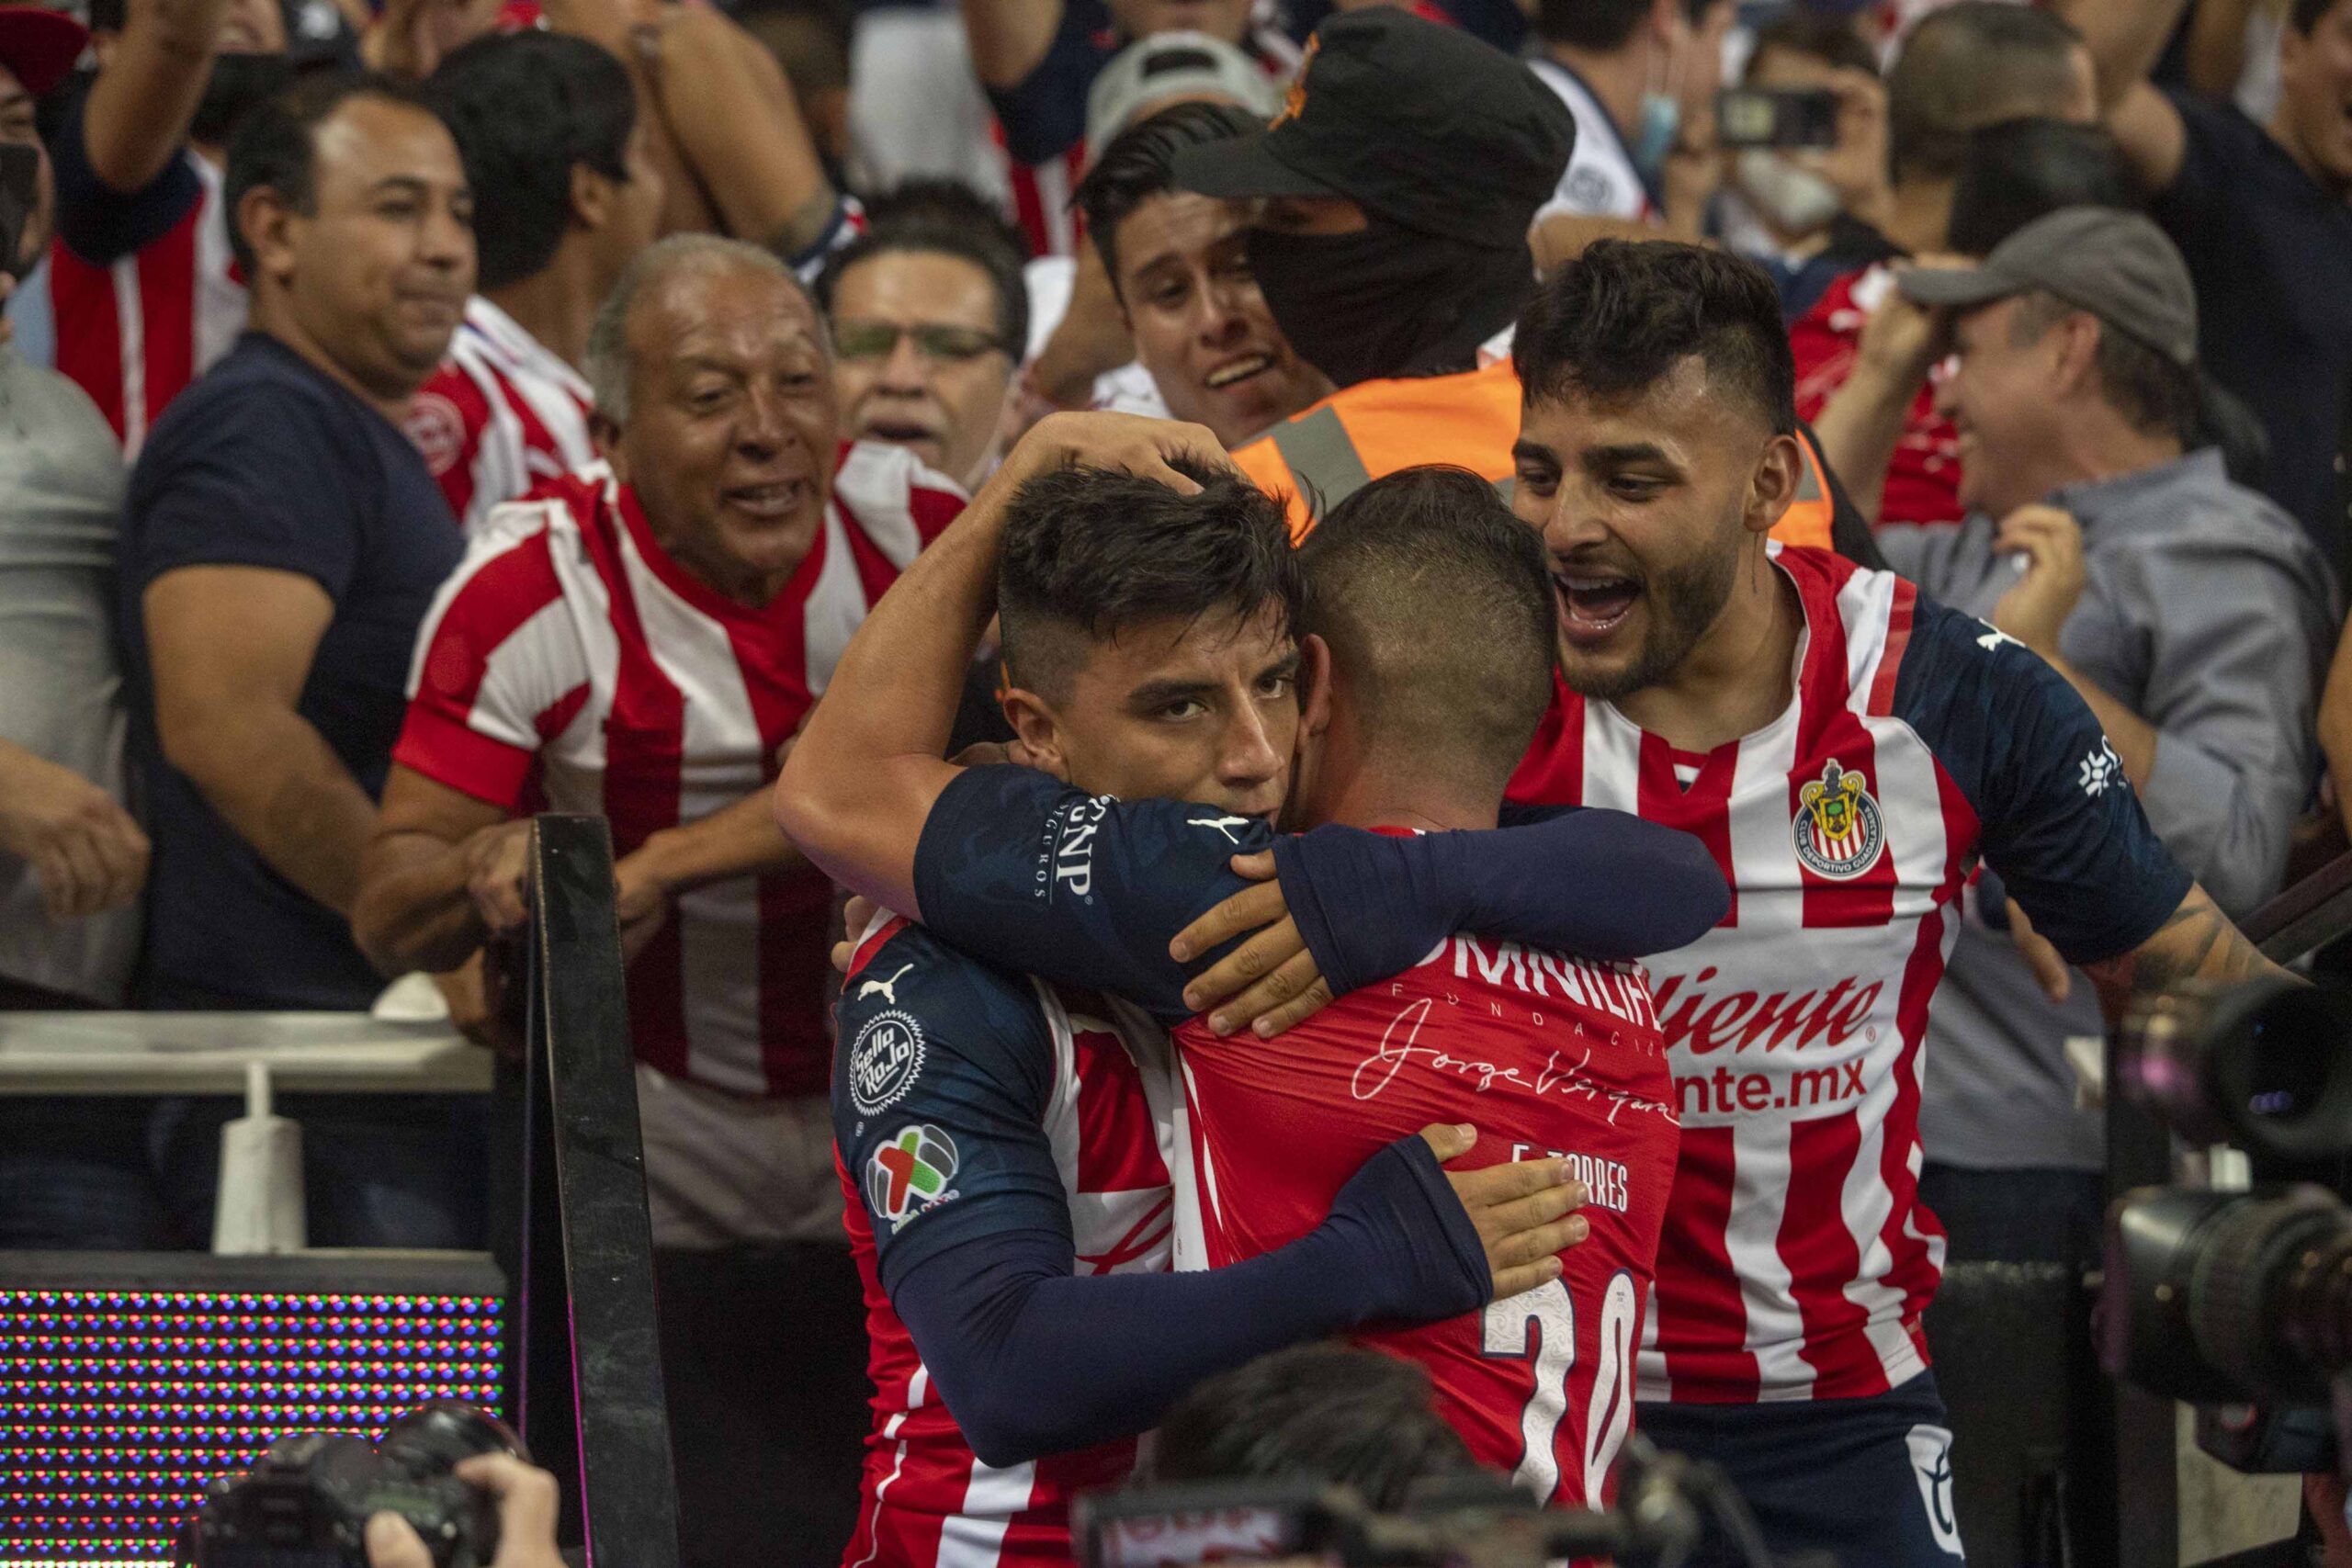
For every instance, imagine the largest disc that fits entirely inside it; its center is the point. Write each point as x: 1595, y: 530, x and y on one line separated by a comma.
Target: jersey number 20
x: 1540, y: 1325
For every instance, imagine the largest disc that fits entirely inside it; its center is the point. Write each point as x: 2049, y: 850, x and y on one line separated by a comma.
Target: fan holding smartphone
x: 1804, y: 141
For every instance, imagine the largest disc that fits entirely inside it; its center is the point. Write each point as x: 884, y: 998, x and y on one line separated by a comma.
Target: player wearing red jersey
x: 1847, y: 750
x: 1550, y: 1055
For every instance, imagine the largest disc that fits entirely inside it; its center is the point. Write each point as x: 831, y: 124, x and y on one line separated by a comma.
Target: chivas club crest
x: 1838, y: 831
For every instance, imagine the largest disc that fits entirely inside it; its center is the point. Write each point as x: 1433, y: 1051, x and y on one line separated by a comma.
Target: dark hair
x: 525, y: 107
x: 1817, y: 36
x: 2158, y: 395
x: 276, y: 145
x: 2303, y: 17
x: 1621, y: 316
x: 1601, y: 27
x: 1139, y: 164
x: 2026, y: 169
x: 1974, y: 63
x: 1090, y: 552
x: 1327, y: 1413
x: 1437, y: 604
x: 943, y: 217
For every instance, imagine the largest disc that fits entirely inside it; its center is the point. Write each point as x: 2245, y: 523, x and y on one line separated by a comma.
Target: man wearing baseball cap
x: 1398, y: 184
x: 2193, y: 616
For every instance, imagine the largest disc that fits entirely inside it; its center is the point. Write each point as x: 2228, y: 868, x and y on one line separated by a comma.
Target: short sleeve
x: 499, y: 668
x: 2057, y: 819
x: 261, y: 477
x: 101, y: 225
x: 1084, y: 890
x: 1044, y: 114
x: 943, y: 1070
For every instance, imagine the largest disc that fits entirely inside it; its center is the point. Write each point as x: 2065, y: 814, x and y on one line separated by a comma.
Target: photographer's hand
x: 527, y: 1504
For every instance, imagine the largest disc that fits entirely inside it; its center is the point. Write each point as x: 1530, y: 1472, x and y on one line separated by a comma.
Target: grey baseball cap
x: 2118, y: 265
x: 1168, y: 68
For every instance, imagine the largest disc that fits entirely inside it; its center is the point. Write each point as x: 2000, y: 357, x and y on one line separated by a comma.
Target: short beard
x: 1684, y: 603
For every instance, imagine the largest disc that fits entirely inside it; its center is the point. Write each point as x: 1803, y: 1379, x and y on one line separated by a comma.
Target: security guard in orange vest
x: 1399, y: 181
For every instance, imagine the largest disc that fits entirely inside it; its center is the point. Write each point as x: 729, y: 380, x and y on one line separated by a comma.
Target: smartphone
x: 19, y: 199
x: 1777, y: 117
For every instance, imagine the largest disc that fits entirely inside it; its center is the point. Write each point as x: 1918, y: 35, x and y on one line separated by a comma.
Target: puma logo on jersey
x: 884, y: 989
x: 1995, y: 637
x: 1225, y: 825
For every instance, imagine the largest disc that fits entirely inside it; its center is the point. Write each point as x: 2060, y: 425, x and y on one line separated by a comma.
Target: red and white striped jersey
x: 571, y: 657
x: 133, y: 331
x: 1796, y: 1257
x: 502, y: 415
x: 947, y: 1125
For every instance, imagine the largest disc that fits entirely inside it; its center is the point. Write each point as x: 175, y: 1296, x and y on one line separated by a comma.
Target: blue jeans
x: 79, y: 1175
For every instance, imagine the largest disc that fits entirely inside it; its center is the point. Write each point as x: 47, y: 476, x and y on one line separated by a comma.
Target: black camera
x: 2238, y: 1300
x: 307, y: 1503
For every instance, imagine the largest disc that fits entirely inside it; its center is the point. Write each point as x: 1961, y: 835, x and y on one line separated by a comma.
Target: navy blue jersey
x: 1797, y: 1259
x: 971, y: 1102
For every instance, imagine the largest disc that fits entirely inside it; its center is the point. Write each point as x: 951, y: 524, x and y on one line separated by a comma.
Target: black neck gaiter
x: 1387, y: 300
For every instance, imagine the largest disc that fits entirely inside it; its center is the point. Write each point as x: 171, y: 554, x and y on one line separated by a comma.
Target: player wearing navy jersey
x: 999, y: 1137
x: 1552, y: 1055
x: 1848, y: 750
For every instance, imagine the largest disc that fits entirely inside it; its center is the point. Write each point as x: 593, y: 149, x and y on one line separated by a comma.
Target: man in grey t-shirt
x: 2193, y: 616
x: 72, y: 860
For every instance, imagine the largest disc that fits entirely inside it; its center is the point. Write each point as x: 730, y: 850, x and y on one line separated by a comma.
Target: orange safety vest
x: 1313, y: 460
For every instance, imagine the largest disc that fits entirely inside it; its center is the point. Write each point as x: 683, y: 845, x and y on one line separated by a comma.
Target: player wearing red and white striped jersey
x: 1847, y: 752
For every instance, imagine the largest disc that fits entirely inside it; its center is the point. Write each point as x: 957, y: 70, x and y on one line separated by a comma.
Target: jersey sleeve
x: 1085, y: 890
x: 446, y: 422
x: 1044, y: 114
x: 941, y: 1072
x: 100, y: 223
x: 499, y: 668
x: 2057, y: 819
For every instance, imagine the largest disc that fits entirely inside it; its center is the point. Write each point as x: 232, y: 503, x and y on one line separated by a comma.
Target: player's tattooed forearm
x: 2196, y: 941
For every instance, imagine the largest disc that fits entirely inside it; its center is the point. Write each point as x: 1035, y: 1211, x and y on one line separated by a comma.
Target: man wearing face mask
x: 1639, y: 76
x: 138, y: 162
x: 1398, y: 183
x: 1809, y: 215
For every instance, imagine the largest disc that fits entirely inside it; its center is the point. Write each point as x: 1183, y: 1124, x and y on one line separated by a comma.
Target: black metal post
x: 592, y: 1400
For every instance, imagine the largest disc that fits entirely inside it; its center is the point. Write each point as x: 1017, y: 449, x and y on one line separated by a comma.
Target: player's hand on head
x: 1270, y: 981
x: 1141, y: 446
x: 1525, y: 1211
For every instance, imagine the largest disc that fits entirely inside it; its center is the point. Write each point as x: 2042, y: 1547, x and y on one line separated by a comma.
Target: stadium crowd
x: 1147, y: 425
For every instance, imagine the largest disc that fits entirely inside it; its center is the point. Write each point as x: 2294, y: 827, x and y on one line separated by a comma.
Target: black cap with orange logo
x: 1414, y: 119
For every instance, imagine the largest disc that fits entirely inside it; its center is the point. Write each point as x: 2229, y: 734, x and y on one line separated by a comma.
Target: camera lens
x: 2262, y: 1065
x: 2271, y: 1292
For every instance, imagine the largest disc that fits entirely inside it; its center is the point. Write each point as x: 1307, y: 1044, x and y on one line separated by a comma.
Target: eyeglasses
x: 936, y: 340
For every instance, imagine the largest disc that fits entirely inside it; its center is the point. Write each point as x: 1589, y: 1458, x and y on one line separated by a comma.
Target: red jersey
x: 570, y: 660
x: 1923, y: 476
x: 1797, y: 1259
x: 1545, y: 1055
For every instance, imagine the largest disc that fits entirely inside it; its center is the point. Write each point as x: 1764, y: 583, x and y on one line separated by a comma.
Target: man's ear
x: 265, y: 220
x: 606, y: 432
x: 592, y: 198
x: 2077, y: 346
x: 1314, y: 686
x: 1774, y: 484
x: 1037, y: 729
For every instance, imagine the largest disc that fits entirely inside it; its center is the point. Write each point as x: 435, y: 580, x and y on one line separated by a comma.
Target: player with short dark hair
x: 1012, y: 864
x: 1848, y: 750
x: 999, y: 1135
x: 550, y: 123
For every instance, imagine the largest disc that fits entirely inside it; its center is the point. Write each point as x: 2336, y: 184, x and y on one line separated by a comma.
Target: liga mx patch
x: 910, y: 1173
x: 1838, y: 831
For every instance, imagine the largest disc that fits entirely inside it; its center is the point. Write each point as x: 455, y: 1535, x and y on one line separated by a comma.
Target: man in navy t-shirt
x: 282, y: 542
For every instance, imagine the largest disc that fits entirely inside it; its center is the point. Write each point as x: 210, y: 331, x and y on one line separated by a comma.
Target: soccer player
x: 1848, y: 750
x: 1555, y: 1058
